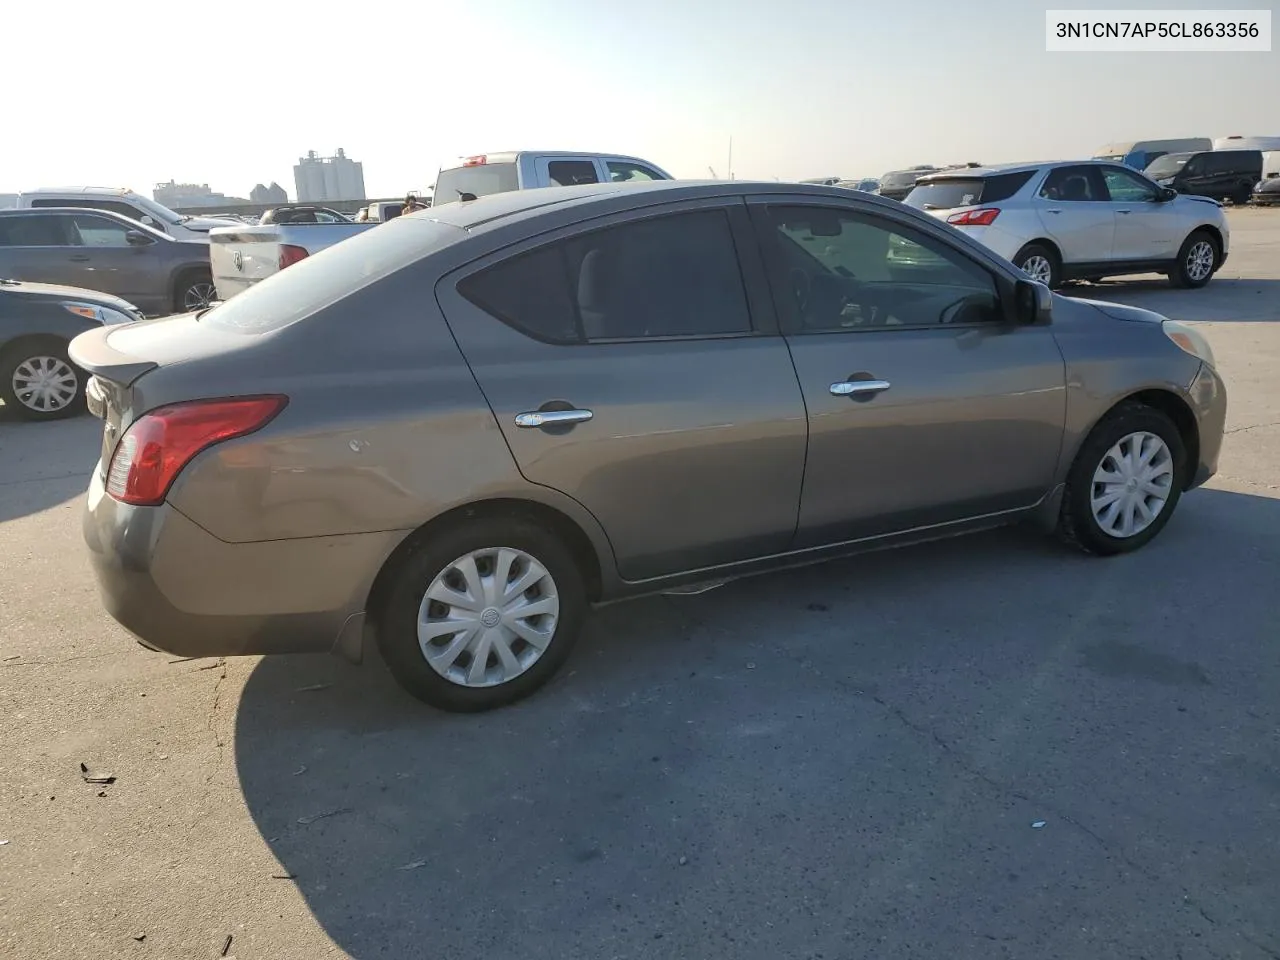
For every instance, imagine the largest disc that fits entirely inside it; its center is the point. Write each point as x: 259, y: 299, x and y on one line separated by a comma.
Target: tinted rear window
x: 966, y: 192
x: 480, y: 181
x: 317, y: 281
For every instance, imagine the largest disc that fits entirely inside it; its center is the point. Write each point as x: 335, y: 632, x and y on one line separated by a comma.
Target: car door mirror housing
x: 136, y: 238
x: 1167, y: 194
x: 1033, y: 303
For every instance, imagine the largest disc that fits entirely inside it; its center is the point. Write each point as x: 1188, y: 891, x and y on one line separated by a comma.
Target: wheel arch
x: 578, y: 541
x: 1214, y: 234
x: 182, y: 274
x: 1175, y: 407
x: 1043, y: 242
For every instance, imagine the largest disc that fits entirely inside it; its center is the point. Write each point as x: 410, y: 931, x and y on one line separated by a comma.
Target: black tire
x: 1241, y: 199
x: 193, y: 291
x: 397, y: 620
x: 1023, y: 256
x: 38, y: 351
x: 1076, y: 523
x: 1181, y: 276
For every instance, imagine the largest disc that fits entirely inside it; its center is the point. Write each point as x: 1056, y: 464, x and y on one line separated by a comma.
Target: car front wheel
x: 38, y: 381
x: 481, y: 614
x: 1197, y: 261
x: 1125, y: 482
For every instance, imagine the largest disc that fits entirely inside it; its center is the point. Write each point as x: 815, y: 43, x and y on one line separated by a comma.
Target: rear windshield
x: 317, y: 281
x: 949, y: 192
x: 479, y: 181
x: 901, y: 178
x: 1168, y: 165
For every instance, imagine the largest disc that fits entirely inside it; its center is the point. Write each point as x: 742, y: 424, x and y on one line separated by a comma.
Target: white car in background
x: 126, y: 203
x: 1078, y: 220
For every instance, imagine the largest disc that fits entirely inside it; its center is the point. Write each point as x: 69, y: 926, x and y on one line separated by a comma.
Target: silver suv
x: 1080, y: 220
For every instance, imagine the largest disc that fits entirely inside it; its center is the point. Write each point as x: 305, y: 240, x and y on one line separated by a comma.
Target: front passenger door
x: 1073, y: 209
x: 925, y: 405
x: 1146, y: 227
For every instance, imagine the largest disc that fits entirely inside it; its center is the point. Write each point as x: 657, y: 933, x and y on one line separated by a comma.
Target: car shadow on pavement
x: 1224, y: 299
x: 804, y: 763
x: 43, y: 465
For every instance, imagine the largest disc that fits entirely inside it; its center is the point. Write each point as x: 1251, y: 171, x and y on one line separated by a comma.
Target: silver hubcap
x: 198, y: 296
x: 488, y: 617
x: 45, y: 384
x: 1038, y: 268
x: 1132, y: 484
x: 1200, y: 260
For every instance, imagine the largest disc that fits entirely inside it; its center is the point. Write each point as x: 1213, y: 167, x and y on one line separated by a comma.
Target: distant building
x: 272, y: 194
x: 8, y: 200
x: 175, y: 196
x: 320, y: 179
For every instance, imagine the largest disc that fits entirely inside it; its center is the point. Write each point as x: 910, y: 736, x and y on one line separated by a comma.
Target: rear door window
x: 571, y: 173
x: 34, y: 231
x: 623, y: 171
x: 1080, y: 184
x: 670, y: 276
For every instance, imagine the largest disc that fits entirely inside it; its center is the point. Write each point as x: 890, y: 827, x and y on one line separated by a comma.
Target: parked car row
x: 840, y: 372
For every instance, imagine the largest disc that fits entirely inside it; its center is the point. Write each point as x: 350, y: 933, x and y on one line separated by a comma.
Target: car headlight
x: 93, y: 311
x: 1189, y: 339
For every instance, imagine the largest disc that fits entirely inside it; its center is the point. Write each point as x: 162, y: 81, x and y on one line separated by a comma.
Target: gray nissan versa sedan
x: 465, y: 427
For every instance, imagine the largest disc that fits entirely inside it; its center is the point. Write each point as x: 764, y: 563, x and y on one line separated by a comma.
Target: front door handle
x: 534, y: 419
x: 1124, y: 211
x: 80, y: 258
x: 855, y: 388
x: 1053, y: 211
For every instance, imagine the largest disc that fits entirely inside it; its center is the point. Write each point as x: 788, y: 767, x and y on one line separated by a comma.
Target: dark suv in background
x: 103, y: 251
x: 896, y: 184
x: 1219, y: 174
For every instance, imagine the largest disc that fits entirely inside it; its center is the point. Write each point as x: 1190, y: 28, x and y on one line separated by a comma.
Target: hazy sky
x: 135, y: 92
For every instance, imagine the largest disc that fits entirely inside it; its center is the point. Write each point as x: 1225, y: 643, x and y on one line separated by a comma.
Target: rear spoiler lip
x: 92, y: 352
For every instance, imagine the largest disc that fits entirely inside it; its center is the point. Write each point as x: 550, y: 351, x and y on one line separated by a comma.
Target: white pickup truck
x: 243, y: 256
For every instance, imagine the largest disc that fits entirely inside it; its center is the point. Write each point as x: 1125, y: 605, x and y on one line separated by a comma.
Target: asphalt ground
x: 984, y: 748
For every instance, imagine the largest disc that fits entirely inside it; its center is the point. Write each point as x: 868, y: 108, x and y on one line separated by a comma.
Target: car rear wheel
x: 1197, y: 261
x: 195, y: 292
x: 1039, y: 263
x: 1125, y: 483
x: 481, y: 614
x: 38, y: 381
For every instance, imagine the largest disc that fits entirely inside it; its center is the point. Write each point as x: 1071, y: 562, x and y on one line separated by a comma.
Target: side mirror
x: 1167, y: 194
x: 136, y: 238
x: 1033, y: 303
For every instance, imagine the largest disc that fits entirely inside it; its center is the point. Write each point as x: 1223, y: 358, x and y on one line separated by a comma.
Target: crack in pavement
x: 969, y: 767
x: 1252, y: 426
x: 212, y: 721
x: 57, y: 476
x: 56, y: 663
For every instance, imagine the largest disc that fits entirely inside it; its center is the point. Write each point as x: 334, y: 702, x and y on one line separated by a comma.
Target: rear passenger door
x: 631, y: 366
x: 36, y: 248
x: 1076, y: 215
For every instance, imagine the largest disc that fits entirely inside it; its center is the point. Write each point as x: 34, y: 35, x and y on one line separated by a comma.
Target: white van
x: 1140, y: 153
x: 126, y: 203
x: 1265, y: 144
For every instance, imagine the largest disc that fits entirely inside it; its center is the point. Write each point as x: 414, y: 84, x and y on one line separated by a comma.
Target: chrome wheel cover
x: 488, y: 617
x: 45, y: 384
x: 1131, y: 485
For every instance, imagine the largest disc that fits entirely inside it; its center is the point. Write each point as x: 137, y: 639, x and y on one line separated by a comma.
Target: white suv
x: 126, y: 203
x: 1081, y: 220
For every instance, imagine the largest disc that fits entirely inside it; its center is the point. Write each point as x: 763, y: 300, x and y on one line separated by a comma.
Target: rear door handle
x: 534, y: 419
x: 854, y: 388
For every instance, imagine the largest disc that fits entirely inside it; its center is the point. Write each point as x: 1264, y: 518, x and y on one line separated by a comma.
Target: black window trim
x: 764, y: 230
x: 1132, y: 174
x: 761, y: 319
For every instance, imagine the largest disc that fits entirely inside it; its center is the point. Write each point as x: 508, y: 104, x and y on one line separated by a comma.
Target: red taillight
x: 290, y: 254
x: 476, y: 161
x: 974, y: 218
x: 159, y: 444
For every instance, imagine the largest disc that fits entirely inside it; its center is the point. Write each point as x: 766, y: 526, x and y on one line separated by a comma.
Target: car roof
x: 994, y: 169
x: 94, y: 191
x: 518, y: 204
x: 510, y: 156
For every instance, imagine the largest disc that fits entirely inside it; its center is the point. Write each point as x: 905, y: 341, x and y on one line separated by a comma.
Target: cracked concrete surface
x: 841, y: 762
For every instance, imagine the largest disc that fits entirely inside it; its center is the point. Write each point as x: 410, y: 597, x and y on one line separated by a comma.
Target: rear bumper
x: 179, y: 589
